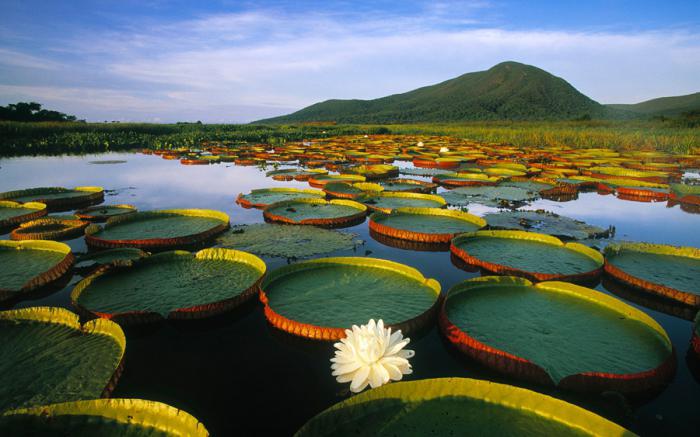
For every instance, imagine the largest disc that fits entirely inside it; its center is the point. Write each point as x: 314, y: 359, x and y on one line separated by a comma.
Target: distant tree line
x: 31, y: 111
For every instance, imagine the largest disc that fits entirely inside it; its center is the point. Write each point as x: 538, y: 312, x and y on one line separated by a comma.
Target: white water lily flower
x: 444, y: 149
x: 371, y: 355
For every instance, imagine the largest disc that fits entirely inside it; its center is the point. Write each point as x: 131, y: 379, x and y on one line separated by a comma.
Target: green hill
x: 507, y: 91
x: 666, y: 106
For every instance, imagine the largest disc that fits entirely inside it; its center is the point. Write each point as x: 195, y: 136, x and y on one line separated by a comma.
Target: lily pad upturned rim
x: 45, y: 278
x: 322, y: 179
x: 611, y: 250
x: 522, y: 368
x: 331, y: 333
x: 86, y: 213
x: 93, y: 240
x: 465, y: 179
x: 199, y: 311
x: 355, y: 218
x: 27, y: 231
x: 502, y: 269
x: 135, y: 412
x: 344, y: 190
x: 420, y: 186
x: 404, y: 195
x: 92, y: 194
x: 245, y: 203
x: 40, y: 211
x: 489, y: 392
x: 403, y: 234
x: 62, y: 316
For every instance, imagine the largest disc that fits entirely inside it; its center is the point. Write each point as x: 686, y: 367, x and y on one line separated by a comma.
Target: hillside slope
x: 667, y: 106
x: 507, y: 91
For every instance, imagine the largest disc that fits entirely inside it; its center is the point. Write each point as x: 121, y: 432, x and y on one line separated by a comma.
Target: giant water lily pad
x: 14, y: 213
x: 103, y: 417
x: 546, y: 223
x: 423, y: 171
x: 104, y: 212
x: 266, y: 196
x: 56, y: 198
x: 557, y: 333
x: 289, y: 174
x: 49, y: 228
x: 323, y: 297
x: 320, y: 181
x: 110, y: 256
x: 30, y: 265
x: 48, y: 356
x: 175, y: 285
x: 407, y: 185
x: 158, y: 229
x: 496, y: 196
x: 389, y: 201
x: 669, y: 271
x: 456, y: 406
x: 428, y: 225
x: 531, y: 255
x: 336, y: 212
x: 344, y: 190
x: 288, y: 241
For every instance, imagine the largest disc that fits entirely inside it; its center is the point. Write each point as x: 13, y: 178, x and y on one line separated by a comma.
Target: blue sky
x: 237, y: 61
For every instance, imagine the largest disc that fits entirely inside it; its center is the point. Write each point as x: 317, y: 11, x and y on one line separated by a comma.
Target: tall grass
x: 60, y: 138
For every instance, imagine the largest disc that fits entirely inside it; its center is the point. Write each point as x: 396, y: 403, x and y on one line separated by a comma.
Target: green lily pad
x: 13, y: 213
x: 667, y: 270
x: 158, y: 229
x: 288, y: 241
x: 407, y: 185
x: 336, y: 293
x: 315, y: 211
x: 393, y: 200
x: 563, y: 328
x: 103, y: 417
x: 48, y: 357
x: 165, y: 284
x: 497, y: 196
x: 456, y: 406
x: 536, y: 255
x: 29, y: 265
x: 56, y: 197
x: 429, y: 220
x: 267, y: 196
x: 103, y: 212
x: 423, y: 171
x: 546, y: 223
x: 109, y: 257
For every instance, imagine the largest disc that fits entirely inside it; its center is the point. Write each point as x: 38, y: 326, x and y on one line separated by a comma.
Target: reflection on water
x: 238, y: 375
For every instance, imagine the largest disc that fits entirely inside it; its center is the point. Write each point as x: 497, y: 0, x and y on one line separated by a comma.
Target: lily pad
x: 557, y: 333
x: 288, y: 241
x: 344, y: 190
x: 14, y: 213
x: 336, y: 212
x: 49, y: 228
x: 673, y: 272
x: 323, y: 297
x: 538, y: 257
x: 109, y: 257
x: 386, y: 202
x: 320, y: 181
x: 408, y: 185
x: 465, y: 179
x: 158, y: 229
x: 289, y: 174
x: 265, y: 196
x: 546, y: 223
x: 103, y: 212
x: 428, y: 225
x: 456, y: 406
x: 496, y: 196
x: 29, y: 265
x: 423, y: 171
x: 104, y: 417
x: 175, y: 285
x: 56, y: 198
x: 50, y: 357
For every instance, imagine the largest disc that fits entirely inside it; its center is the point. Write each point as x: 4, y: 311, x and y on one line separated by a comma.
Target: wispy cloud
x: 256, y: 63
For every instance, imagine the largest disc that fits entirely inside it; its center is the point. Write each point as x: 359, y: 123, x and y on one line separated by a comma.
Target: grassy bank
x: 60, y: 138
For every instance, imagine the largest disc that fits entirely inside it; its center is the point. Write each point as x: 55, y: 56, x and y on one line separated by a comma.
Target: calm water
x: 239, y: 375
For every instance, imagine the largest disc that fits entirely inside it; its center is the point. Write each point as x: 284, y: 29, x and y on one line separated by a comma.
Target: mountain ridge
x: 507, y: 91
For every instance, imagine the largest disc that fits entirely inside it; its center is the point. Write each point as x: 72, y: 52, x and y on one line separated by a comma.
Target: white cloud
x: 266, y: 62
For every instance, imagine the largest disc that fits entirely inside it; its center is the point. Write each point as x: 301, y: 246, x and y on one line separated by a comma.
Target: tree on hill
x: 23, y: 111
